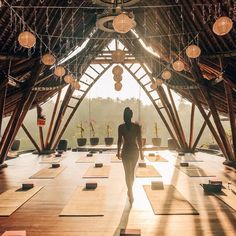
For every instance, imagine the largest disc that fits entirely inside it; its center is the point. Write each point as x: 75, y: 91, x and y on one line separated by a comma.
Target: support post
x: 191, y: 125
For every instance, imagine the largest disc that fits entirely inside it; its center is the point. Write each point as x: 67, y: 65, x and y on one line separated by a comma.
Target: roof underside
x: 165, y: 29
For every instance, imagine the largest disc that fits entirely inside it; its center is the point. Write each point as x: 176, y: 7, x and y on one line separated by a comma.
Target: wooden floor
x: 40, y: 215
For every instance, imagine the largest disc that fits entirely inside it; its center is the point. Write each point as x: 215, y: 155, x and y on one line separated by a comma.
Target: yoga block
x: 74, y: 149
x: 60, y: 151
x: 89, y: 155
x: 151, y: 154
x: 212, y: 188
x: 130, y: 232
x: 26, y: 186
x: 184, y: 164
x: 215, y: 182
x: 156, y: 185
x: 58, y: 155
x: 92, y: 151
x: 181, y: 153
x: 91, y: 185
x: 99, y: 165
x: 55, y: 165
x: 14, y: 233
x: 142, y: 164
x: 100, y: 151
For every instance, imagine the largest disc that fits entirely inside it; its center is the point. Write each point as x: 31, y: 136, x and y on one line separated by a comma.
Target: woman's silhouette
x: 129, y: 134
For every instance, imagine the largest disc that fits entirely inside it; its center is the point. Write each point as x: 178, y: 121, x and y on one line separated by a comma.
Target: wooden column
x: 19, y: 113
x: 2, y: 105
x: 39, y: 111
x: 191, y: 125
x: 231, y: 112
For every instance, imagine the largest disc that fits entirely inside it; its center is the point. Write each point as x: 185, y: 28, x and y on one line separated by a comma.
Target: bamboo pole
x: 30, y: 137
x: 200, y: 133
x: 191, y: 125
x: 52, y: 119
x: 230, y: 103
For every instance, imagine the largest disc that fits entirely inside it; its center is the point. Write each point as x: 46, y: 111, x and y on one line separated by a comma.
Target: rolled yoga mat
x: 85, y: 202
x: 48, y: 173
x: 168, y: 201
x: 14, y: 198
x: 147, y: 172
x: 97, y: 172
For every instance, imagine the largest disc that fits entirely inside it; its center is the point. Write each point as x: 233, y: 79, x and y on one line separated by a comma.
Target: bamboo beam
x: 230, y: 103
x: 19, y: 113
x: 30, y: 137
x: 191, y: 125
x: 200, y: 133
x: 211, y: 127
x: 39, y: 111
x: 52, y: 119
x: 177, y: 116
x: 2, y: 105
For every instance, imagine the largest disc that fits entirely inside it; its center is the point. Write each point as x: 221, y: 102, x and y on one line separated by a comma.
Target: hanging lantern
x: 153, y: 86
x: 117, y: 78
x: 117, y: 70
x: 48, y: 59
x: 26, y: 39
x: 222, y: 25
x: 118, y: 56
x: 159, y: 82
x: 178, y: 65
x: 122, y: 23
x: 59, y: 71
x: 68, y: 79
x: 193, y: 51
x: 166, y: 74
x: 118, y: 86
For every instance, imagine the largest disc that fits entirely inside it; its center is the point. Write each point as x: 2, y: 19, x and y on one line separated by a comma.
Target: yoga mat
x: 193, y: 171
x: 168, y: 201
x: 115, y: 159
x: 157, y: 158
x: 14, y: 198
x: 146, y: 172
x: 86, y: 202
x: 51, y: 159
x: 97, y: 172
x: 86, y: 159
x: 228, y: 197
x: 48, y: 173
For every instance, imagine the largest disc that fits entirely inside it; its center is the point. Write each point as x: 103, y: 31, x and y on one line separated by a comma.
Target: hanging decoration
x: 178, y: 65
x: 48, y: 59
x: 118, y: 86
x: 166, y: 74
x: 117, y: 78
x: 27, y: 39
x: 193, y: 51
x: 118, y: 56
x: 117, y: 70
x: 59, y: 71
x: 68, y: 79
x: 222, y: 25
x: 123, y: 23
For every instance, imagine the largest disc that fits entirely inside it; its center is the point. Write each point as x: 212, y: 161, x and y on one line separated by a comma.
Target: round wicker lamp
x: 48, y: 59
x: 59, y: 71
x: 178, y: 65
x: 118, y: 86
x: 122, y: 23
x: 166, y: 74
x: 26, y: 39
x: 193, y: 51
x: 222, y: 25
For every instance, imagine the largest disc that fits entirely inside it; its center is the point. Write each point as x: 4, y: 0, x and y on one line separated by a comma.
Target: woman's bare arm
x: 139, y: 140
x: 119, y: 142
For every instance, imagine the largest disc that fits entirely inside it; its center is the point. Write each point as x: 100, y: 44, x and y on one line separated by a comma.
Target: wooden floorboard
x: 40, y: 215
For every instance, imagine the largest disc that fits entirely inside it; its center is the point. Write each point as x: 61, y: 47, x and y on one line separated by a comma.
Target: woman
x: 130, y: 134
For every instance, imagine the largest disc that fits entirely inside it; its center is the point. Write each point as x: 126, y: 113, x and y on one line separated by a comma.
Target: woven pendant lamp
x: 26, y: 39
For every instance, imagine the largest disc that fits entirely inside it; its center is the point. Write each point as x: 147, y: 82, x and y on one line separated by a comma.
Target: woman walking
x: 129, y: 134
